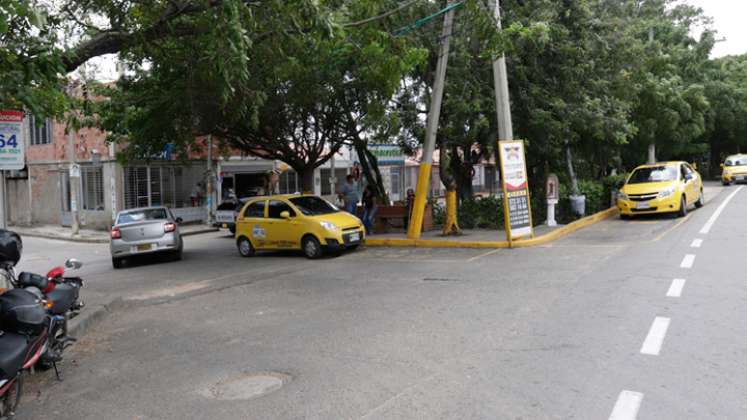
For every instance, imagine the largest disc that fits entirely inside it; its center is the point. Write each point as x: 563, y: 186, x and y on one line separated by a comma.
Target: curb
x: 201, y: 231
x: 90, y: 317
x: 61, y: 238
x: 522, y: 243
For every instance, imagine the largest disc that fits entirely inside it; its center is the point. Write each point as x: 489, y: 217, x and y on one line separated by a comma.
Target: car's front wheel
x: 701, y: 200
x: 311, y: 247
x: 245, y: 247
x: 683, y: 207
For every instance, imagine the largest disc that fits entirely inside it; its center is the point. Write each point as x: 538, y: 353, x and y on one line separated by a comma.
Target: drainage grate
x: 439, y: 279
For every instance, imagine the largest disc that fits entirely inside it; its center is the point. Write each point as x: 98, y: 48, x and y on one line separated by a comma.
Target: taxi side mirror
x: 285, y: 215
x: 694, y: 165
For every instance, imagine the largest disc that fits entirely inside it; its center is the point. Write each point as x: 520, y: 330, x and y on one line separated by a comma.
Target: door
x: 252, y: 223
x: 690, y: 184
x: 66, y: 216
x: 283, y: 233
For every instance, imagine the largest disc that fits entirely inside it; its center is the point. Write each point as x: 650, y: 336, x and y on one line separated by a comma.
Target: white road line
x: 627, y: 405
x: 675, y: 290
x: 655, y: 337
x: 709, y: 224
x: 688, y: 261
x: 697, y: 242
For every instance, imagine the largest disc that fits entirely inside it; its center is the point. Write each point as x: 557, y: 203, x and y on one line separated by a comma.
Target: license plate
x: 144, y: 247
x: 355, y: 237
x: 642, y: 206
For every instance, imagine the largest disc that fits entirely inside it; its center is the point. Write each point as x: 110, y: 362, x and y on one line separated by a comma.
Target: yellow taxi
x: 734, y: 169
x: 667, y: 187
x: 304, y: 222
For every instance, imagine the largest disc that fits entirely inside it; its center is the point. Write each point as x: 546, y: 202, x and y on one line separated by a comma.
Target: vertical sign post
x: 517, y: 211
x: 12, y: 156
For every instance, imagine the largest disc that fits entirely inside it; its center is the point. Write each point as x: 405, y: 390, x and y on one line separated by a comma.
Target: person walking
x: 349, y: 194
x: 369, y: 209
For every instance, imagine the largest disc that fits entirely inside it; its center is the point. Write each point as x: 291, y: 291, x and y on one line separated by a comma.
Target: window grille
x: 168, y: 186
x: 92, y: 179
x: 288, y: 182
x: 40, y: 132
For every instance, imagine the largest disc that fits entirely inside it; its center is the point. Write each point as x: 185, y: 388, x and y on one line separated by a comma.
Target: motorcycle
x: 24, y: 332
x: 61, y: 297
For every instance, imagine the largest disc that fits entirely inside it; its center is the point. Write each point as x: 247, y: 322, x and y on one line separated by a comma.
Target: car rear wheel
x: 246, y: 249
x: 725, y: 183
x: 117, y: 262
x: 311, y: 247
x: 683, y: 207
x: 701, y: 200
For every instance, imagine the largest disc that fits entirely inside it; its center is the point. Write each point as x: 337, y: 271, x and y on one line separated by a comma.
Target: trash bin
x: 578, y: 204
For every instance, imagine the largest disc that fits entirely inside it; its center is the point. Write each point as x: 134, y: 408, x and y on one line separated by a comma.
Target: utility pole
x: 74, y: 182
x: 500, y: 77
x: 424, y: 176
x: 209, y: 182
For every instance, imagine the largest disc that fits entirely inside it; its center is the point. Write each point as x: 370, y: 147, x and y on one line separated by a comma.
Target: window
x: 313, y: 206
x: 288, y: 182
x: 162, y: 186
x: 142, y: 215
x: 653, y: 174
x: 40, y: 132
x: 276, y: 207
x: 325, y: 174
x: 256, y: 209
x: 92, y: 179
x: 394, y: 180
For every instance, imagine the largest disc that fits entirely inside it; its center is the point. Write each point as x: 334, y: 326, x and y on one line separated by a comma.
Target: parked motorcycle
x: 24, y: 333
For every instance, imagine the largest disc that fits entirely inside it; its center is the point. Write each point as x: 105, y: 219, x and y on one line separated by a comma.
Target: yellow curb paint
x: 523, y: 243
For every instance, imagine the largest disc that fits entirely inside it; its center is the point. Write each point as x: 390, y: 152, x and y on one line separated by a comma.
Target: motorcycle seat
x: 27, y: 279
x: 13, y: 348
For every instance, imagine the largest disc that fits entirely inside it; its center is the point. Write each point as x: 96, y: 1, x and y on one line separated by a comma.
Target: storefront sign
x: 12, y: 156
x: 516, y: 205
x: 387, y: 154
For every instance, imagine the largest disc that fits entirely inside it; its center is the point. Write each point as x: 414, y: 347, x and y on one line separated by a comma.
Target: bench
x: 392, y: 218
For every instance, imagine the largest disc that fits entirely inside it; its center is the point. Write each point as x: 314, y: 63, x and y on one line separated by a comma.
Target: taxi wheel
x: 245, y: 247
x: 311, y: 247
x: 701, y: 200
x: 683, y: 207
x: 725, y: 184
x: 625, y: 216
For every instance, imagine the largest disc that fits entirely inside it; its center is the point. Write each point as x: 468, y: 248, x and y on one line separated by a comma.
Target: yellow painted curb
x: 521, y: 243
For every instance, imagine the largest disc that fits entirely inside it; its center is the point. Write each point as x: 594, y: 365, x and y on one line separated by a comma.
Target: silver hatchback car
x: 145, y: 231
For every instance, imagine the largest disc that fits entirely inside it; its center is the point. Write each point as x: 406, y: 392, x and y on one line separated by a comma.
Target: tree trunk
x: 307, y: 178
x: 370, y: 169
x: 651, y: 153
x: 571, y: 172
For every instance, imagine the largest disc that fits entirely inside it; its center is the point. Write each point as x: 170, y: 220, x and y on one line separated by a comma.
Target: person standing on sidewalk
x: 369, y: 209
x: 349, y: 194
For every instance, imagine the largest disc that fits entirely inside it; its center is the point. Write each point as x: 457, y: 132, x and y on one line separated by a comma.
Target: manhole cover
x: 246, y: 386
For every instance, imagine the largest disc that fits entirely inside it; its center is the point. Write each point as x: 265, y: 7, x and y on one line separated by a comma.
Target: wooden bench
x: 392, y: 218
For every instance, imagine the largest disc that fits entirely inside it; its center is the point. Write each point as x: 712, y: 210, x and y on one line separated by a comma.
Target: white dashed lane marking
x: 627, y: 405
x: 697, y: 242
x: 655, y: 338
x: 688, y: 261
x: 675, y: 290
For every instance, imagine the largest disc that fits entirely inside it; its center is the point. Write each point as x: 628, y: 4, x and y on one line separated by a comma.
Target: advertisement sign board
x: 516, y: 204
x: 12, y: 156
x: 387, y: 154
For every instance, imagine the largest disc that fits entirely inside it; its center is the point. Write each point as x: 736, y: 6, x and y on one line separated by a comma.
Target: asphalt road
x: 579, y: 329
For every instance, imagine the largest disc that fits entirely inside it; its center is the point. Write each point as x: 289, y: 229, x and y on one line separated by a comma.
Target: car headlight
x: 328, y: 225
x: 666, y: 193
x: 622, y: 196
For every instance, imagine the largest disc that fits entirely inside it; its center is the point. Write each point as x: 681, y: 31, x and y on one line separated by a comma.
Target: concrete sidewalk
x: 90, y: 235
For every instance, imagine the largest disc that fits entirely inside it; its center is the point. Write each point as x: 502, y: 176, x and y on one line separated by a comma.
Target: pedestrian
x: 349, y: 194
x: 369, y: 209
x: 410, y: 204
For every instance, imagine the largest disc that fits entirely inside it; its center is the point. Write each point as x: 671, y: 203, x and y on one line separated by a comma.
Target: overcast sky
x: 730, y: 20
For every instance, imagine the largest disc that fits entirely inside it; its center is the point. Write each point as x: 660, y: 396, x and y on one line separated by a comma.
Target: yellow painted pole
x: 424, y: 176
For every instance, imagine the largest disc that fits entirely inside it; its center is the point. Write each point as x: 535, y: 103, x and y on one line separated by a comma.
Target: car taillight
x: 169, y: 227
x: 116, y: 233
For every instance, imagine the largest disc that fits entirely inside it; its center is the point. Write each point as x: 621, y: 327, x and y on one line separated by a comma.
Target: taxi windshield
x: 653, y: 174
x: 736, y: 162
x: 313, y: 206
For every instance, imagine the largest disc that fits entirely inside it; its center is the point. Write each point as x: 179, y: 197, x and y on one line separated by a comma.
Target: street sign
x: 516, y: 205
x: 12, y: 156
x: 387, y: 154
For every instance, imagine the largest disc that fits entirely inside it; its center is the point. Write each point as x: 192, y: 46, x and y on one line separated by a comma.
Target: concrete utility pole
x: 500, y: 76
x: 74, y: 182
x: 209, y: 182
x: 424, y: 176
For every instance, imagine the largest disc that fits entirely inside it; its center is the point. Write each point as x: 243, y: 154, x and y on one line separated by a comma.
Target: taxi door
x: 691, y: 185
x: 252, y: 223
x: 283, y: 233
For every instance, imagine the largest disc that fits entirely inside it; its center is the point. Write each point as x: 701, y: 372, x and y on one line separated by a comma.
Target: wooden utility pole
x: 414, y: 229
